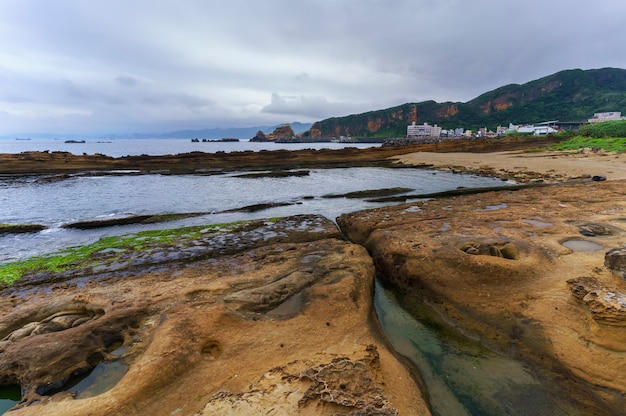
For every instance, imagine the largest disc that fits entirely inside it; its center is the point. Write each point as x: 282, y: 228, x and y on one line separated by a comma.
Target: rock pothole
x: 211, y: 350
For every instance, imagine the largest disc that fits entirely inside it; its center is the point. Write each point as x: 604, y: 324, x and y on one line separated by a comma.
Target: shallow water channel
x: 462, y: 377
x: 9, y: 397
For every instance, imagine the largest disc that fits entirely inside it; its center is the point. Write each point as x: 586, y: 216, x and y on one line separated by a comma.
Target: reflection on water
x: 462, y: 377
x: 289, y: 307
x: 582, y: 245
x: 103, y: 377
x: 9, y: 397
x: 53, y: 204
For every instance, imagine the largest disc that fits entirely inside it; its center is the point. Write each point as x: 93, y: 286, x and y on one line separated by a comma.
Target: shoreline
x: 32, y: 163
x: 520, y: 165
x: 508, y: 278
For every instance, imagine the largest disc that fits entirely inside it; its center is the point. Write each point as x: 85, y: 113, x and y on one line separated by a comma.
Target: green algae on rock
x: 118, y: 253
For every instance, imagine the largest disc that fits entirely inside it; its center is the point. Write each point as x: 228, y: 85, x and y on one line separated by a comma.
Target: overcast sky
x: 115, y: 66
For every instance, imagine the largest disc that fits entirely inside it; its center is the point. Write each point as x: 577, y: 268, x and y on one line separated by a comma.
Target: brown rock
x: 615, y: 259
x: 284, y: 131
x: 493, y: 264
x: 607, y: 305
x: 280, y: 325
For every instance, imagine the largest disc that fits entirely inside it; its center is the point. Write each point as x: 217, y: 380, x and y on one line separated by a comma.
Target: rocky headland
x: 276, y: 316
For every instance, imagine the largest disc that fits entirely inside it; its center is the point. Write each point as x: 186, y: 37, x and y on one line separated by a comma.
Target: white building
x: 608, y: 116
x: 422, y: 130
x: 536, y: 129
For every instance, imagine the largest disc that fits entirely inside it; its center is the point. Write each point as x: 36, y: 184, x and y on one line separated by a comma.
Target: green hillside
x: 572, y: 95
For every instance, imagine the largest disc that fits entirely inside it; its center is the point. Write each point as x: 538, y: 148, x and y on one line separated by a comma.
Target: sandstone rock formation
x: 268, y: 316
x: 497, y: 265
x: 283, y: 131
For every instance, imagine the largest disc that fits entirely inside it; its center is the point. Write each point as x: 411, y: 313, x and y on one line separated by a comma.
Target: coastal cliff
x: 571, y: 95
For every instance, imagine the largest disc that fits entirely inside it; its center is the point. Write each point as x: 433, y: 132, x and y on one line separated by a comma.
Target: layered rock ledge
x: 522, y: 271
x: 65, y: 163
x: 267, y: 316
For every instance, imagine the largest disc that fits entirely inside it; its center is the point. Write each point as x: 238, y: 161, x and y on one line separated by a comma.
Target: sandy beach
x: 548, y: 165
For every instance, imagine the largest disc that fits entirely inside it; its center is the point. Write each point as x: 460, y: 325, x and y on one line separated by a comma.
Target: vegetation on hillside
x: 611, y: 144
x: 604, y: 129
x: 573, y: 95
x: 609, y: 136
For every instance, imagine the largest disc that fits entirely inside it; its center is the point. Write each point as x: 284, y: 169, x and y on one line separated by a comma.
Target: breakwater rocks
x: 237, y: 319
x: 524, y: 272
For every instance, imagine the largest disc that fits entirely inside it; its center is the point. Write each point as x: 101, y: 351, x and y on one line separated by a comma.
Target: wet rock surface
x: 62, y: 163
x: 496, y: 266
x: 186, y: 247
x: 20, y: 228
x: 265, y: 315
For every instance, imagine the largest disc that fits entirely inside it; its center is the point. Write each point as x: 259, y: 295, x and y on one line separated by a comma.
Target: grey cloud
x: 178, y: 99
x: 305, y: 106
x: 127, y: 81
x: 118, y: 62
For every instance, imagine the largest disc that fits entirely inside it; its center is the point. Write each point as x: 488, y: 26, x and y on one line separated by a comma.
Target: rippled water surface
x: 55, y: 203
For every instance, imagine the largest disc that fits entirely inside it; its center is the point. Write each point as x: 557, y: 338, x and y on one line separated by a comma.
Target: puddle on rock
x: 493, y: 207
x: 582, y: 245
x: 289, y: 307
x: 9, y: 397
x: 119, y: 351
x: 102, y: 378
x: 462, y: 377
x: 536, y: 223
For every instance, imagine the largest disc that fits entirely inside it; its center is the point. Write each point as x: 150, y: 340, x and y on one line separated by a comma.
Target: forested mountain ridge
x: 571, y: 95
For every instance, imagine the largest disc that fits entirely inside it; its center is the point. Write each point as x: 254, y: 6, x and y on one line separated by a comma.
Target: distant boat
x: 74, y: 141
x: 22, y: 139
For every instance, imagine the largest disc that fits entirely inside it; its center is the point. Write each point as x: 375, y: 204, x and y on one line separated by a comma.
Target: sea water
x: 462, y: 376
x: 29, y: 200
x: 55, y: 203
x: 155, y: 147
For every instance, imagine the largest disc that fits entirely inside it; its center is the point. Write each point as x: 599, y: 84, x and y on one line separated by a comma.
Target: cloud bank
x: 71, y: 66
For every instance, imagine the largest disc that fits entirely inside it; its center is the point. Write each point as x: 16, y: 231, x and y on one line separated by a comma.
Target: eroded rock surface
x: 494, y: 264
x: 606, y: 305
x: 273, y: 315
